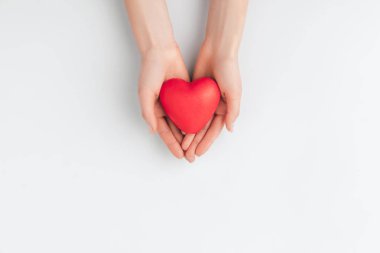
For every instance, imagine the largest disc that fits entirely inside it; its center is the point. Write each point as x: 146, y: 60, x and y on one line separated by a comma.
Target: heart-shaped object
x: 190, y: 105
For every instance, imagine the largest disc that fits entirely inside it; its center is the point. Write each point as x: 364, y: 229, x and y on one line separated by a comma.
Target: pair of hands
x: 160, y: 64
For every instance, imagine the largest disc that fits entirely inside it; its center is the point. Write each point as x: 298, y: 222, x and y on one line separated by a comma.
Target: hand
x: 218, y: 59
x: 161, y: 61
x: 157, y: 66
x: 225, y: 70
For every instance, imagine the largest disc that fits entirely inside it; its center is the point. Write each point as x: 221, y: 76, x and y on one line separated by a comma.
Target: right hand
x: 159, y: 65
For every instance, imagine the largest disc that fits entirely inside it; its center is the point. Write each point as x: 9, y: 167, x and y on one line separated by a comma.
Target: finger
x: 211, y: 134
x: 187, y: 141
x: 178, y: 70
x: 221, y: 109
x: 190, y: 152
x: 202, y: 67
x: 147, y: 104
x: 176, y: 132
x: 233, y: 109
x: 158, y: 110
x: 168, y: 138
x: 160, y: 113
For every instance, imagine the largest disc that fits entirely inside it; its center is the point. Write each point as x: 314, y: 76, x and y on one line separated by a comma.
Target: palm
x: 158, y: 66
x: 227, y: 75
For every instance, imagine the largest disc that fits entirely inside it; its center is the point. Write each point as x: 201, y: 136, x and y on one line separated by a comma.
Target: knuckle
x: 197, y: 141
x: 140, y: 91
x: 143, y: 92
x: 163, y: 131
x: 172, y: 143
x: 234, y: 94
x: 144, y: 114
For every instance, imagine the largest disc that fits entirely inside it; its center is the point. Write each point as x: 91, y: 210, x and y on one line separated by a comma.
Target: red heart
x: 190, y: 105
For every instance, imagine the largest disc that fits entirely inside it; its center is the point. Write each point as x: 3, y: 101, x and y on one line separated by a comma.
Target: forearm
x: 225, y: 26
x: 150, y: 24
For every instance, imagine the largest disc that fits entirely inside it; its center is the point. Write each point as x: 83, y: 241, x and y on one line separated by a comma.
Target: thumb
x: 233, y: 109
x: 147, y: 102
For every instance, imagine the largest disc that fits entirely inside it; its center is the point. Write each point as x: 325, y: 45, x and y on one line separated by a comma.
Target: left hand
x: 225, y: 70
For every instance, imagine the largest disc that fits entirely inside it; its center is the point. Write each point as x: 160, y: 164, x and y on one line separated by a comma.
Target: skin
x: 162, y: 60
x: 226, y: 72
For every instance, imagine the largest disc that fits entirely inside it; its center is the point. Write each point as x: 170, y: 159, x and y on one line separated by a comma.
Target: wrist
x: 219, y: 51
x: 158, y: 46
x: 162, y: 52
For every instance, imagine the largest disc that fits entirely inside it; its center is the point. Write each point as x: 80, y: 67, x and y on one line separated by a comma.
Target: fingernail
x: 190, y: 159
x: 231, y: 128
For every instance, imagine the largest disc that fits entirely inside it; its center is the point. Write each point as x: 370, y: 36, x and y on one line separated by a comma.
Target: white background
x: 79, y: 171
